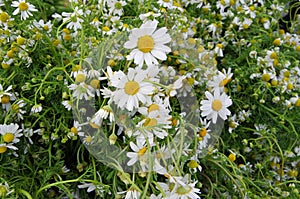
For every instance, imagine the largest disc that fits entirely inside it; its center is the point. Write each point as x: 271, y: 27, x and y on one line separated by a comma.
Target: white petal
x: 159, y: 54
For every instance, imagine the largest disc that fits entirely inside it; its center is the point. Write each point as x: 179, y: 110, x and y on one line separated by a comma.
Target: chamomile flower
x: 131, y: 89
x: 116, y: 7
x: 10, y: 133
x: 24, y: 8
x: 215, y: 106
x: 82, y: 90
x: 4, y: 147
x: 148, y: 44
x: 88, y: 139
x: 36, y: 108
x: 74, y: 19
x: 103, y: 113
x: 17, y: 109
x: 139, y: 151
x: 67, y: 104
x: 47, y: 27
x: 184, y: 189
x: 5, y: 100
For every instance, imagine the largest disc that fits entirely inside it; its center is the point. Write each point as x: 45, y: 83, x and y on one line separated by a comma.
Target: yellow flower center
x: 3, y: 190
x: 67, y: 37
x: 298, y: 48
x: 74, y: 130
x: 183, y: 190
x: 89, y: 139
x: 131, y: 88
x: 142, y: 151
x: 10, y: 53
x: 297, y: 103
x: 153, y: 107
x: 203, y: 132
x: 145, y: 43
x: 105, y: 29
x: 190, y: 81
x: 191, y: 41
x: 232, y: 125
x: 276, y: 42
x: 219, y: 46
x: 4, y: 17
x: 3, y: 149
x: 217, y: 105
x: 290, y: 86
x: 5, y: 99
x: 252, y: 8
x: 46, y: 27
x: 245, y: 26
x: 193, y: 164
x: 266, y: 77
x: 15, y: 108
x: 287, y: 73
x: 20, y: 40
x: 95, y: 83
x: 8, y: 137
x: 23, y: 6
x: 274, y: 82
x: 150, y: 122
x: 4, y: 65
x: 273, y: 55
x: 224, y: 82
x: 111, y: 62
x: 118, y: 6
x: 80, y: 78
x: 232, y: 157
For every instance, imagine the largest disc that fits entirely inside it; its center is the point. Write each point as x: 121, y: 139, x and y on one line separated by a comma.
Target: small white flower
x: 131, y: 89
x: 74, y: 19
x: 91, y: 187
x: 139, y: 151
x: 36, y: 108
x: 24, y: 8
x: 148, y: 45
x: 215, y: 105
x: 10, y: 133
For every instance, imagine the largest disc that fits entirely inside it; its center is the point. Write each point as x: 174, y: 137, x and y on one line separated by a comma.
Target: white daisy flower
x: 139, y: 151
x: 88, y: 139
x: 185, y: 191
x: 17, y: 109
x: 103, y: 113
x: 148, y: 45
x: 5, y: 100
x: 82, y: 90
x: 220, y: 81
x: 47, y: 27
x: 116, y: 7
x: 24, y: 8
x: 131, y: 89
x: 156, y: 123
x: 67, y: 104
x: 4, y: 147
x: 73, y: 18
x: 10, y: 133
x: 215, y: 106
x: 36, y: 108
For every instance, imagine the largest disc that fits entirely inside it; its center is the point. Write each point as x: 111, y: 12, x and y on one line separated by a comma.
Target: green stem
x: 25, y: 193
